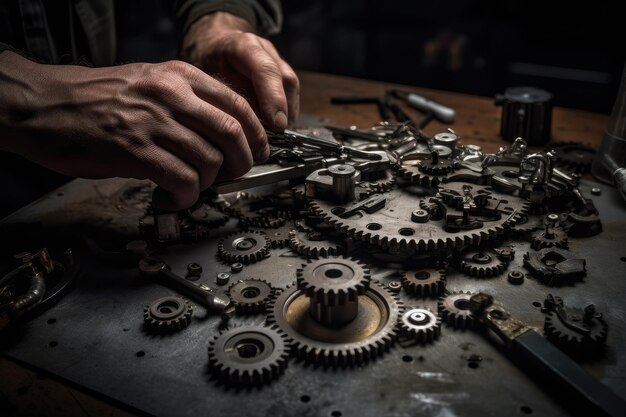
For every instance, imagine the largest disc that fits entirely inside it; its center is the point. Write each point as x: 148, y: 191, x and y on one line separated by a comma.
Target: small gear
x: 333, y: 280
x: 574, y: 156
x: 425, y: 170
x: 455, y: 310
x: 246, y: 247
x: 421, y: 325
x: 193, y: 232
x: 313, y: 244
x: 426, y: 282
x: 248, y: 355
x: 279, y: 237
x: 257, y: 212
x: 552, y: 237
x: 378, y: 181
x: 167, y: 315
x: 250, y: 295
x: 482, y: 263
x: 209, y: 216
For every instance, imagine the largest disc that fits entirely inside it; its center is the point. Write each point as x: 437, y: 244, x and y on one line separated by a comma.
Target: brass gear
x: 167, y: 315
x: 455, y: 310
x: 424, y: 282
x: 245, y: 247
x: 421, y: 325
x: 250, y: 296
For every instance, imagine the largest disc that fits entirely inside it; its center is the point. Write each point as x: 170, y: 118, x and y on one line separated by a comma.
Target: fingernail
x: 280, y: 120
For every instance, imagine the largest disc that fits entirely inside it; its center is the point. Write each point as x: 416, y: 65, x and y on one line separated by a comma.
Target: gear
x: 193, y: 232
x: 421, y: 325
x: 455, y: 310
x: 209, y: 216
x: 334, y: 280
x: 279, y: 237
x: 552, y: 237
x: 312, y: 244
x: 389, y: 224
x: 574, y: 157
x: 248, y: 355
x: 481, y: 264
x: 553, y: 266
x: 370, y: 334
x: 257, y: 212
x: 377, y: 181
x: 247, y: 247
x: 250, y: 296
x: 427, y: 282
x: 167, y: 315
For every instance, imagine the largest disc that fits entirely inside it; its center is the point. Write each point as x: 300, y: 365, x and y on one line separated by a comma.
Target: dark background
x: 473, y: 46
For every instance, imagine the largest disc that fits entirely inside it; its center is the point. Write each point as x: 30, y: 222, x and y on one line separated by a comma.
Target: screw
x: 420, y: 216
x: 596, y: 191
x: 515, y: 277
x: 222, y: 278
x: 236, y: 267
x: 394, y: 286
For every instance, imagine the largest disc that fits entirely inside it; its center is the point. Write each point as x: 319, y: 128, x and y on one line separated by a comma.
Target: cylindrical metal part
x: 344, y: 182
x: 334, y: 315
x: 447, y: 139
x: 526, y: 112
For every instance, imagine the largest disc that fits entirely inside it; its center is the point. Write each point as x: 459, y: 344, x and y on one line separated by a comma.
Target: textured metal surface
x: 100, y: 343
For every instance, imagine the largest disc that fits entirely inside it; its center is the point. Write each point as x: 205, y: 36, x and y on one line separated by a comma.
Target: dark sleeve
x: 5, y: 47
x: 264, y: 15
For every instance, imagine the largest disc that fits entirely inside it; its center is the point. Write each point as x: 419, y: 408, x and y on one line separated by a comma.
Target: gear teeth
x: 413, y: 174
x: 454, y: 310
x: 250, y: 296
x: 279, y: 237
x: 161, y: 322
x: 301, y: 243
x: 257, y: 212
x: 540, y: 241
x: 579, y: 345
x: 489, y: 265
x: 420, y: 325
x: 223, y: 358
x: 427, y: 282
x: 259, y: 247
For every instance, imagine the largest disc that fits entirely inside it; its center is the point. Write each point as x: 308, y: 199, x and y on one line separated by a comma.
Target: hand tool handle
x: 440, y: 112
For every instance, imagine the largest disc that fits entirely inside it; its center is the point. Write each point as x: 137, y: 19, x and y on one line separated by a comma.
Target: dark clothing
x: 61, y: 32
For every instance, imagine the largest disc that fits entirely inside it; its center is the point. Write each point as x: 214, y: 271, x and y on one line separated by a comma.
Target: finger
x: 291, y: 83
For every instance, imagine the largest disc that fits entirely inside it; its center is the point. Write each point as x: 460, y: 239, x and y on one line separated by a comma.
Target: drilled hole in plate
x: 462, y: 304
x: 536, y: 304
x: 305, y: 398
x: 526, y: 409
x: 53, y: 344
x: 140, y: 354
x: 406, y: 231
x: 338, y: 211
x: 473, y: 364
x: 374, y: 226
x: 336, y: 413
x: 407, y: 358
x: 422, y: 275
x: 52, y: 321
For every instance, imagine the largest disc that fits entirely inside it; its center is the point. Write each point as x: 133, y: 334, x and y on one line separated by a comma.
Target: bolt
x: 394, y: 286
x: 420, y: 216
x: 194, y: 269
x: 515, y: 277
x: 596, y: 191
x: 236, y: 267
x: 222, y: 278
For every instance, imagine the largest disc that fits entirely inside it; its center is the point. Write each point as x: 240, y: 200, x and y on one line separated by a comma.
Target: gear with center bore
x: 552, y: 237
x: 455, y: 310
x: 246, y: 247
x: 421, y: 325
x: 167, y: 315
x: 250, y: 296
x: 481, y: 264
x: 248, y: 355
x: 313, y: 244
x: 425, y: 282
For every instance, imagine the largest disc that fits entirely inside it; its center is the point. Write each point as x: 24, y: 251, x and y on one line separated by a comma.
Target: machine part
x: 394, y: 286
x: 455, y: 310
x: 250, y: 295
x: 421, y: 325
x: 482, y: 263
x: 425, y: 169
x: 438, y: 111
x: 209, y: 216
x: 194, y: 269
x: 377, y: 181
x: 577, y: 225
x: 551, y: 237
x: 334, y: 285
x: 193, y: 232
x: 279, y: 237
x: 370, y: 334
x: 388, y: 222
x: 427, y: 282
x: 596, y: 191
x: 222, y: 278
x: 246, y: 247
x: 167, y: 315
x: 516, y: 277
x: 336, y: 183
x: 574, y: 157
x: 420, y: 216
x: 448, y: 139
x: 257, y: 212
x: 236, y: 267
x: 248, y: 355
x: 313, y: 244
x: 159, y: 271
x: 554, y: 266
x: 526, y: 112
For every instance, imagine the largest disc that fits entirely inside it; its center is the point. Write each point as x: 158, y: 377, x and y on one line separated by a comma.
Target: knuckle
x: 157, y: 85
x: 240, y: 105
x: 268, y: 68
x: 231, y: 128
x: 178, y: 67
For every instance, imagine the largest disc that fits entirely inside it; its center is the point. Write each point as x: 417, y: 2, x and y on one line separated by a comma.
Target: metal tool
x: 159, y: 271
x: 430, y: 108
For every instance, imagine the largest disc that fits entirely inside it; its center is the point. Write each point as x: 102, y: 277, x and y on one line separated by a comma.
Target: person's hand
x: 223, y: 45
x: 169, y: 122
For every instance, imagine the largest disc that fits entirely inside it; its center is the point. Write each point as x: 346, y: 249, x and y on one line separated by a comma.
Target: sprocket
x: 455, y: 310
x: 251, y: 295
x: 167, y: 315
x: 245, y: 247
x: 481, y: 263
x: 421, y: 325
x: 313, y: 244
x: 424, y: 282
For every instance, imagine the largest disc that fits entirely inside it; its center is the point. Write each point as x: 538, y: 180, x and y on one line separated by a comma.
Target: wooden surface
x: 26, y: 393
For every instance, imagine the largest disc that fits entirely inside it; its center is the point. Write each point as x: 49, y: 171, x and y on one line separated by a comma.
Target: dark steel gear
x: 481, y: 263
x: 333, y: 280
x: 250, y: 296
x: 248, y: 355
x: 167, y: 315
x: 370, y: 334
x: 209, y: 216
x: 245, y: 247
x: 279, y: 237
x: 455, y: 310
x: 555, y: 266
x: 377, y: 182
x: 425, y: 282
x: 551, y: 238
x: 193, y: 232
x: 257, y: 212
x: 313, y: 244
x: 575, y: 157
x: 421, y: 325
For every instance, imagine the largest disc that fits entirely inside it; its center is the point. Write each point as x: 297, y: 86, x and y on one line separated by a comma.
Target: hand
x: 223, y: 44
x: 169, y: 122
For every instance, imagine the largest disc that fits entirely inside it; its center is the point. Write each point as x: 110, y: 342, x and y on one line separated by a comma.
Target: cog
x: 248, y: 355
x: 391, y: 225
x: 257, y: 212
x: 246, y: 247
x: 209, y: 216
x: 378, y: 182
x: 481, y: 264
x: 312, y: 244
x: 351, y: 344
x: 279, y: 237
x: 426, y: 282
x: 546, y: 239
x: 455, y: 310
x: 167, y: 315
x: 193, y: 232
x: 250, y: 296
x: 421, y: 325
x: 587, y: 342
x: 574, y: 157
x: 333, y: 280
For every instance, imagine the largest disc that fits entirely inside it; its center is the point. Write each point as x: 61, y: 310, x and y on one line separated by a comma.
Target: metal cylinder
x: 526, y: 112
x: 344, y: 182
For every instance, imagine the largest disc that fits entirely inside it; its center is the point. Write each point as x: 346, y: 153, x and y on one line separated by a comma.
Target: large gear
x: 248, y: 355
x: 313, y: 244
x: 390, y: 225
x: 245, y: 247
x: 250, y: 296
x: 421, y: 325
x: 481, y: 263
x: 167, y: 315
x: 455, y: 310
x: 370, y: 334
x: 424, y: 282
